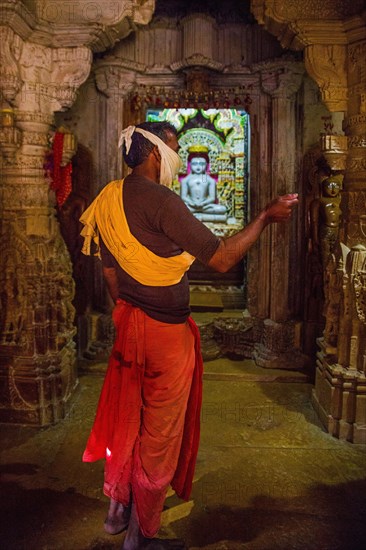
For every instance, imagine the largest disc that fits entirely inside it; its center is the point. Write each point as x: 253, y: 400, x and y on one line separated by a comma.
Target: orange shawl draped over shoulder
x: 106, y: 216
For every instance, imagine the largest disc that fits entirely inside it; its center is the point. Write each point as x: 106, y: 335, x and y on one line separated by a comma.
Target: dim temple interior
x: 268, y: 97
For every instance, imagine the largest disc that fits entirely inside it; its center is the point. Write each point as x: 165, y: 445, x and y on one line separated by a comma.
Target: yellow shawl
x: 106, y: 216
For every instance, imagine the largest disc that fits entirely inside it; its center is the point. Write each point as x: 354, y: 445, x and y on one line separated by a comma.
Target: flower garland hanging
x: 59, y: 176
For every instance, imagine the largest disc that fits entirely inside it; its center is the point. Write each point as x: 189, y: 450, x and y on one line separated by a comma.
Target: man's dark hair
x: 141, y: 147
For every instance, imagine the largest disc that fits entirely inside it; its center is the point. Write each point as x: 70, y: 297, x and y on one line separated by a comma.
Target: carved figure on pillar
x: 12, y: 306
x: 325, y: 216
x: 65, y: 309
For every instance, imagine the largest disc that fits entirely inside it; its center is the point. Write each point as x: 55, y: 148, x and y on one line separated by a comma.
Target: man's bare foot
x: 117, y: 519
x: 135, y: 539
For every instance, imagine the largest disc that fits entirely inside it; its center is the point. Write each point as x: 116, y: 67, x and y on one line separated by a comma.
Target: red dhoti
x: 147, y: 420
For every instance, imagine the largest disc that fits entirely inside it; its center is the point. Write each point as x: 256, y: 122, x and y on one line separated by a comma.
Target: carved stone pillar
x: 282, y: 83
x: 46, y: 54
x: 333, y: 37
x: 37, y: 358
x: 354, y: 197
x: 282, y: 86
x: 339, y: 396
x: 340, y: 386
x: 115, y: 83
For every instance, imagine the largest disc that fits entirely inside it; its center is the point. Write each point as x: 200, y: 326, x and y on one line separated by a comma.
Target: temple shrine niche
x: 214, y: 177
x: 214, y: 148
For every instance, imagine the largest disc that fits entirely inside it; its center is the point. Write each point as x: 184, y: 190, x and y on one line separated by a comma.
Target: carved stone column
x: 333, y: 37
x: 340, y: 387
x: 46, y: 53
x: 37, y: 359
x: 354, y: 197
x: 115, y: 82
x: 282, y: 83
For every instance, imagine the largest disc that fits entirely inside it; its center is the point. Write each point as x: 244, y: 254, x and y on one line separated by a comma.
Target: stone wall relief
x: 13, y: 300
x: 323, y: 230
x: 10, y: 136
x: 325, y: 219
x: 36, y: 318
x: 355, y: 129
x: 352, y: 344
x: 11, y: 49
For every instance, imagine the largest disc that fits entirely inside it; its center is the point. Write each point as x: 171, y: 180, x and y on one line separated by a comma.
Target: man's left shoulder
x: 167, y: 194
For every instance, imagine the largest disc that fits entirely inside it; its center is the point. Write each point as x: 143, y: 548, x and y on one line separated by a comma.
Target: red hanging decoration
x: 60, y: 176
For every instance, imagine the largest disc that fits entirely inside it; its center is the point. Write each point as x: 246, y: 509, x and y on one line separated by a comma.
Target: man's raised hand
x: 280, y: 209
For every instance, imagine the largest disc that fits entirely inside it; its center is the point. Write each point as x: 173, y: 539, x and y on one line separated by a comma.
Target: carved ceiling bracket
x: 327, y: 66
x: 37, y: 78
x: 266, y: 14
x: 112, y: 80
x: 280, y: 78
x: 324, y: 30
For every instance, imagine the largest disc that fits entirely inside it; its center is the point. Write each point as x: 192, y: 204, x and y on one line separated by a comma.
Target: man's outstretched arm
x: 234, y: 248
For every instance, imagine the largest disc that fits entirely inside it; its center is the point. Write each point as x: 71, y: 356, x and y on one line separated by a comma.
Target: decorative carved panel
x: 97, y: 25
x: 327, y: 65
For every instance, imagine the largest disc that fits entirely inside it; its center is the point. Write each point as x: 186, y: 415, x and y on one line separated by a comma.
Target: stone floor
x: 267, y: 477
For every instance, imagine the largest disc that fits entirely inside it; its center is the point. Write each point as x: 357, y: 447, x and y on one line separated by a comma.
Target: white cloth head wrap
x: 170, y: 160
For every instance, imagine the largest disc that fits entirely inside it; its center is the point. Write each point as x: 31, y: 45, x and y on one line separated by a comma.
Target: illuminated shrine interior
x: 268, y: 98
x: 219, y: 138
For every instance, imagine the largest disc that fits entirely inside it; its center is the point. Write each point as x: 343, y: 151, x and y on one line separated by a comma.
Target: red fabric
x: 183, y: 477
x: 61, y: 182
x: 148, y: 415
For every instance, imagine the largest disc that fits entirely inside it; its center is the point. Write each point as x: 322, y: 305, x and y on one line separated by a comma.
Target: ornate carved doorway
x: 214, y: 182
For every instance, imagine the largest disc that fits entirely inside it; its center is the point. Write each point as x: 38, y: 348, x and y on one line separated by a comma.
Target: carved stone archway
x: 164, y: 61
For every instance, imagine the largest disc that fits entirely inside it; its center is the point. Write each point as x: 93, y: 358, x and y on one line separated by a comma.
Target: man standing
x: 147, y: 421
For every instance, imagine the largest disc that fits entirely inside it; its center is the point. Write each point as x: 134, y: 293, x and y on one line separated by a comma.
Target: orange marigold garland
x: 59, y: 176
